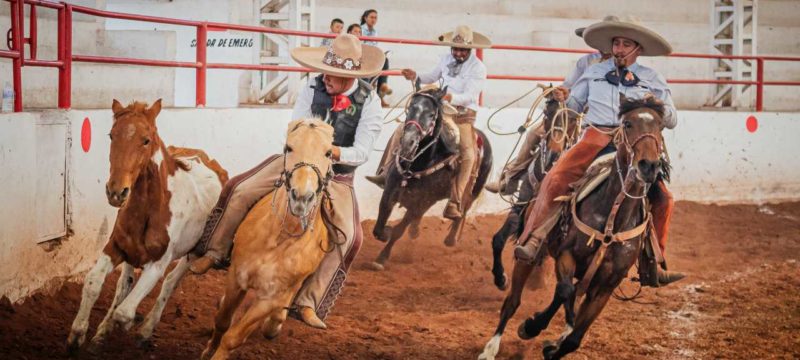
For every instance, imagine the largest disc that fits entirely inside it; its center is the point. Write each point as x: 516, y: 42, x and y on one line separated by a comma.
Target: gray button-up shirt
x: 593, y: 90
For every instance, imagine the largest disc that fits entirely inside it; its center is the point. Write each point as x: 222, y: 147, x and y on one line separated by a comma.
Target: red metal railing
x: 65, y: 56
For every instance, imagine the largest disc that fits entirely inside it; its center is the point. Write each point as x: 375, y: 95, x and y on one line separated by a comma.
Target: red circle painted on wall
x: 86, y: 135
x: 751, y: 124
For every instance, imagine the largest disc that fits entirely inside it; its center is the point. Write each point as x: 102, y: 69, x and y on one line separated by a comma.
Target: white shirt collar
x: 352, y: 89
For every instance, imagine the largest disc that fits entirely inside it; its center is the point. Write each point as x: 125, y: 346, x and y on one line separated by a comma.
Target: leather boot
x: 204, y: 263
x: 527, y: 252
x: 493, y: 186
x: 667, y: 277
x: 452, y: 211
x: 309, y: 316
x: 379, y: 179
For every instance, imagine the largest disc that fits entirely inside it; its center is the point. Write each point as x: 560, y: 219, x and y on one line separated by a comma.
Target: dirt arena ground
x: 741, y: 301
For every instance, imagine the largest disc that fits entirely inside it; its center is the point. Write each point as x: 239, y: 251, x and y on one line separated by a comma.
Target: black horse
x: 422, y: 172
x: 560, y: 132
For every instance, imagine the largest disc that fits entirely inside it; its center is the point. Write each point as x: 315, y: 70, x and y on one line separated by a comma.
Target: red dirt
x: 432, y: 302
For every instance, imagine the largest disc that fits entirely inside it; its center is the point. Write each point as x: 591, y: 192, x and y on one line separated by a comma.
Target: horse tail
x: 486, y: 165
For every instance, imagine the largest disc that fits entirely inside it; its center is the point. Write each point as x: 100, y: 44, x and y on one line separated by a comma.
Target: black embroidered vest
x: 344, y: 122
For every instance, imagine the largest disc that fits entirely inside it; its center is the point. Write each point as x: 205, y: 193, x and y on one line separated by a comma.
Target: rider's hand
x: 447, y: 97
x: 651, y: 97
x: 409, y: 74
x: 561, y: 94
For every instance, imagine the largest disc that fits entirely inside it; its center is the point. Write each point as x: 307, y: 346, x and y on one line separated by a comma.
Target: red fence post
x: 16, y: 43
x: 760, y: 84
x: 65, y: 56
x: 200, y: 80
x: 479, y: 55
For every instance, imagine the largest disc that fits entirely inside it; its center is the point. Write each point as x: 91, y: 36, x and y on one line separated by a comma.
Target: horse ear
x: 443, y: 92
x: 116, y: 107
x: 622, y: 98
x: 417, y: 85
x: 154, y: 110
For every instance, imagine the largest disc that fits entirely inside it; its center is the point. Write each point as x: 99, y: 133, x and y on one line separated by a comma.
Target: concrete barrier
x: 716, y: 157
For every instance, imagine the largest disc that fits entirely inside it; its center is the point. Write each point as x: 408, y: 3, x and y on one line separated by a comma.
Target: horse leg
x: 380, y: 230
x: 396, y: 232
x: 455, y: 232
x: 238, y: 333
x: 498, y: 243
x: 272, y: 326
x: 564, y: 293
x: 520, y: 275
x: 169, y: 285
x: 227, y: 308
x: 124, y: 284
x: 590, y: 308
x: 151, y: 274
x: 91, y: 290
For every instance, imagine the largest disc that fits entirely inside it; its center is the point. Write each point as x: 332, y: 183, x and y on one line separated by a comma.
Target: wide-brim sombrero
x: 600, y: 35
x: 345, y: 57
x: 464, y: 37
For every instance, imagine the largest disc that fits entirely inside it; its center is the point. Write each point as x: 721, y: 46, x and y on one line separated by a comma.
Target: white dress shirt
x: 580, y: 67
x: 368, y: 129
x: 466, y: 86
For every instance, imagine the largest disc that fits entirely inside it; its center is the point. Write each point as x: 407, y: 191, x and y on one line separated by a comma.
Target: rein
x: 322, y: 188
x: 608, y: 236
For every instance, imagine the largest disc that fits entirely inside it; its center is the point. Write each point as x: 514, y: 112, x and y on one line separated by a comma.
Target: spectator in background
x: 368, y: 21
x: 354, y: 29
x: 336, y: 28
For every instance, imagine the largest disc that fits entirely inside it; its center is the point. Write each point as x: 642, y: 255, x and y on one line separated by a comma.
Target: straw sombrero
x: 579, y: 31
x: 345, y: 57
x: 600, y: 36
x: 464, y: 37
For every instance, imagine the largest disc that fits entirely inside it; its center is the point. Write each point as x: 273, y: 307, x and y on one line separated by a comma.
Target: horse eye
x: 287, y: 149
x: 146, y: 141
x: 627, y: 124
x: 329, y: 153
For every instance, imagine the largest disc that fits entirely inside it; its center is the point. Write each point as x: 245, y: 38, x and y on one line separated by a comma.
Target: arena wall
x: 54, y: 164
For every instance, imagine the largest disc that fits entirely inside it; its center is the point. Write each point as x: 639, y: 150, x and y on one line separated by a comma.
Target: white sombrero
x: 345, y: 57
x: 600, y: 35
x: 579, y: 31
x: 464, y: 37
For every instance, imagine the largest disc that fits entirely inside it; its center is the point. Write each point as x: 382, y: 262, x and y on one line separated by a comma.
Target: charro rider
x: 508, y: 181
x: 599, y: 88
x: 353, y: 108
x: 464, y: 75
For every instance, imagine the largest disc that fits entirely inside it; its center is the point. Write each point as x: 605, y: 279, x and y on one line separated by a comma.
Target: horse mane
x: 136, y: 107
x: 633, y: 104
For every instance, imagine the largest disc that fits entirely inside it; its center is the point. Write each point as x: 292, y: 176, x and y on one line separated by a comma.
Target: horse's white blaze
x: 491, y: 349
x: 646, y: 116
x: 130, y: 131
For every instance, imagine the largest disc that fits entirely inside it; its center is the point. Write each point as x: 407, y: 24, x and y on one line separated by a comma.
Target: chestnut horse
x: 599, y: 259
x: 281, y: 241
x: 164, y: 195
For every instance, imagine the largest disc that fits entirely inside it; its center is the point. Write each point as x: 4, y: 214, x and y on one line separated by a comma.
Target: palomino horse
x: 599, y: 258
x: 561, y: 130
x: 163, y: 195
x: 422, y: 173
x: 281, y: 241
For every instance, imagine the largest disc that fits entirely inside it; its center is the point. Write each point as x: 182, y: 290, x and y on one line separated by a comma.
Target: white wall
x: 715, y: 159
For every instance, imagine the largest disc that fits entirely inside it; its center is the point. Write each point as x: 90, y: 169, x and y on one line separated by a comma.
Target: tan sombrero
x: 579, y: 31
x: 464, y: 37
x: 600, y: 36
x: 345, y: 57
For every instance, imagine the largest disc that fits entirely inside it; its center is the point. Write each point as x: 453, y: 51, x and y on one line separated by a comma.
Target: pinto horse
x: 281, y: 241
x: 600, y: 259
x: 164, y: 195
x: 422, y: 173
x: 560, y: 133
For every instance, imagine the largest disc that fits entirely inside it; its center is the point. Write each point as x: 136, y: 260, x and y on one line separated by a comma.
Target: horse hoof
x: 375, y: 266
x: 450, y: 242
x: 501, y: 283
x: 528, y: 329
x: 549, y: 349
x: 144, y: 343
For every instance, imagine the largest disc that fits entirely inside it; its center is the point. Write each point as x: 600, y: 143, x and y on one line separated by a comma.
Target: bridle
x: 285, y: 181
x: 630, y: 151
x: 399, y: 159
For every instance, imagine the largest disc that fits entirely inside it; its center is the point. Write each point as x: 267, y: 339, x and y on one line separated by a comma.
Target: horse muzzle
x: 301, y: 205
x: 647, y: 170
x: 116, y: 196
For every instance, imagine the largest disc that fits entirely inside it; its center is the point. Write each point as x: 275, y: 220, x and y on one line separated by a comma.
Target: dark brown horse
x: 422, y: 173
x: 618, y: 205
x: 560, y: 132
